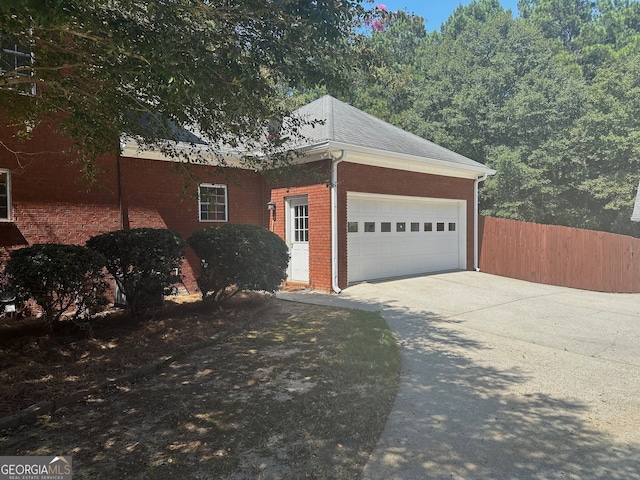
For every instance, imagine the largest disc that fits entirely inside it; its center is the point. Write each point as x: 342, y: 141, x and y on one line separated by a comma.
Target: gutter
x: 404, y: 161
x: 399, y: 161
x: 119, y: 185
x: 334, y: 219
x: 476, y: 259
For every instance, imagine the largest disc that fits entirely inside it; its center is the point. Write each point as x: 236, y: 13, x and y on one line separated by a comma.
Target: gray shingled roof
x: 636, y: 210
x: 348, y: 125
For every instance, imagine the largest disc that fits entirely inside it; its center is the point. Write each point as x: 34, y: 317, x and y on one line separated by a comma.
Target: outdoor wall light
x: 271, y: 208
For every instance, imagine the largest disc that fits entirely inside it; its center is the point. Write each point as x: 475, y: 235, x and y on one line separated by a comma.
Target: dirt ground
x: 264, y: 399
x: 37, y: 365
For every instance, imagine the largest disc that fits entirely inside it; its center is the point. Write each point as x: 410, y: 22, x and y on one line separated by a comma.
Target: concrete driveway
x: 506, y: 379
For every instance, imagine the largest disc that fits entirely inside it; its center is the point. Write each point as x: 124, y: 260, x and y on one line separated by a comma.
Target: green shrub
x: 59, y: 278
x: 143, y: 262
x: 245, y: 257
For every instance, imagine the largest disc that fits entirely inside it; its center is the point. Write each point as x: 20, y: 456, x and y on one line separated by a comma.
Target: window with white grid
x: 212, y: 203
x: 301, y: 223
x: 15, y: 63
x: 5, y: 195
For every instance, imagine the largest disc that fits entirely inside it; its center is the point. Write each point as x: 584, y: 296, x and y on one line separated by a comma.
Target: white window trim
x: 226, y: 202
x: 9, y: 209
x: 15, y: 53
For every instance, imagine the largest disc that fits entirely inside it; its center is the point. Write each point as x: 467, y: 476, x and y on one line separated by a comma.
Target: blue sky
x: 435, y: 12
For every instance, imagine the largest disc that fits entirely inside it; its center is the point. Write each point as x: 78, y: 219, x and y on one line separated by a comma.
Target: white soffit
x: 133, y: 149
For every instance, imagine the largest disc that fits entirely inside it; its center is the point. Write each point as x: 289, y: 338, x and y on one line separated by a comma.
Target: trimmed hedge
x: 59, y: 278
x: 238, y: 257
x: 143, y: 262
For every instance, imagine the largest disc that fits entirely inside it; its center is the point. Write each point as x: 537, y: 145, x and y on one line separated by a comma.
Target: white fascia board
x: 411, y: 163
x: 312, y: 151
x: 131, y: 148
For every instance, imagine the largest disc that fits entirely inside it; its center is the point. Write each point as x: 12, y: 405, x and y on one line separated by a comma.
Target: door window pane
x: 301, y: 223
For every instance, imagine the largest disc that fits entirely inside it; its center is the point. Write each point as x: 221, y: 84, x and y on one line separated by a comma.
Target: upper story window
x: 5, y: 195
x: 212, y: 203
x: 15, y: 63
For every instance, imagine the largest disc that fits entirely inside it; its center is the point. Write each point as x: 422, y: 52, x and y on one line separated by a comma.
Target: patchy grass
x: 289, y: 391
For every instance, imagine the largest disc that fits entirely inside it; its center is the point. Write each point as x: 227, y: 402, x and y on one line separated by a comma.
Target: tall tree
x: 606, y: 141
x: 386, y: 90
x: 501, y: 93
x: 547, y: 99
x: 613, y: 32
x: 561, y: 19
x: 478, y: 11
x: 99, y: 67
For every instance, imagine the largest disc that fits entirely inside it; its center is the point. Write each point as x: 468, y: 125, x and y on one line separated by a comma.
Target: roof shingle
x: 346, y: 124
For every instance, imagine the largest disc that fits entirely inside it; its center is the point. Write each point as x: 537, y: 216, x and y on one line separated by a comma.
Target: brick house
x: 380, y: 203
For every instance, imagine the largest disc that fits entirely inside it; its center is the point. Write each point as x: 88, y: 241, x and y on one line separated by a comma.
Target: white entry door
x: 298, y: 239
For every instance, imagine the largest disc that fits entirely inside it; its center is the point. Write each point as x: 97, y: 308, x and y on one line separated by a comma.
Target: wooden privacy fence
x: 555, y: 255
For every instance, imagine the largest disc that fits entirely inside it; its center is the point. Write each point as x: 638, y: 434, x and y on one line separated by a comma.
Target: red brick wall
x: 154, y: 196
x: 319, y: 198
x: 51, y: 203
x: 361, y: 178
x: 354, y: 177
x: 49, y: 197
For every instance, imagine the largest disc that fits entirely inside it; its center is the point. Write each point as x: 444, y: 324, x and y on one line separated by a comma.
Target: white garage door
x: 390, y: 236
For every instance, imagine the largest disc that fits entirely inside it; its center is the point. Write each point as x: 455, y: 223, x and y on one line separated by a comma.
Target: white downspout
x: 334, y: 220
x: 476, y: 214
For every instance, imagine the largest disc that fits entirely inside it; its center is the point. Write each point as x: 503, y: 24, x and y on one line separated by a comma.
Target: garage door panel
x: 354, y: 249
x: 369, y: 249
x: 421, y: 235
x: 369, y: 207
x: 428, y: 209
x: 414, y: 209
x: 443, y: 262
x: 385, y: 207
x: 385, y: 248
x: 399, y: 247
x: 404, y: 264
x: 414, y: 247
x: 399, y: 208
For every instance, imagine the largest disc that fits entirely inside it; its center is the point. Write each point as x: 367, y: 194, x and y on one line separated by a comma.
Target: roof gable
x: 348, y: 125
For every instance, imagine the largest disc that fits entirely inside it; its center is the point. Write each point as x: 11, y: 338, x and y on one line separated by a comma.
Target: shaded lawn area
x: 284, y: 391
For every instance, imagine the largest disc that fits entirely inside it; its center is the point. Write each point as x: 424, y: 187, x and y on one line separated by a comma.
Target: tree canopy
x: 547, y: 96
x: 217, y: 66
